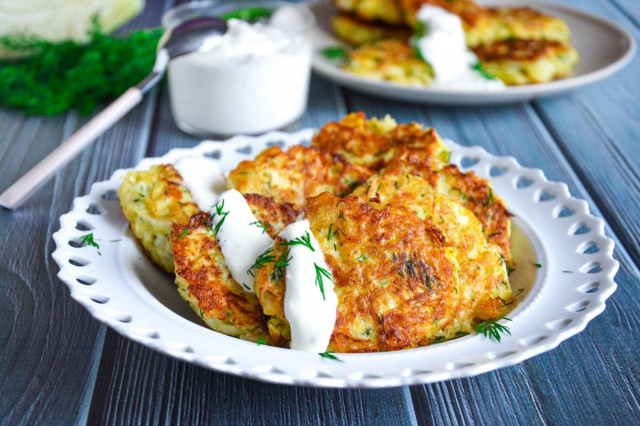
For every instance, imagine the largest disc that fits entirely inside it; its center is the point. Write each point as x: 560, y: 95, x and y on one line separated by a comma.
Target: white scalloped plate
x: 120, y: 287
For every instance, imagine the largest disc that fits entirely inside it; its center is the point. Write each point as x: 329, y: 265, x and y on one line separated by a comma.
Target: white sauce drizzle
x: 444, y: 47
x: 203, y: 178
x: 240, y: 241
x: 310, y: 315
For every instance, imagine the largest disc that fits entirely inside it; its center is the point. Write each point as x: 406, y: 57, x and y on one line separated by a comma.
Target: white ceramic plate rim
x: 560, y: 306
x: 332, y: 72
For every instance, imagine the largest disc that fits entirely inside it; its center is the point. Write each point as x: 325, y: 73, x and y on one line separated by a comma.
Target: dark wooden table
x: 60, y: 366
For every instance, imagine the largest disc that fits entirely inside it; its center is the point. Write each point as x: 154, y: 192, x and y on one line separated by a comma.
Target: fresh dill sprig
x: 260, y: 224
x: 261, y: 261
x: 330, y: 355
x: 88, y: 240
x: 332, y: 232
x: 321, y: 272
x: 220, y: 212
x: 537, y: 265
x: 58, y: 76
x: 261, y: 342
x: 335, y: 53
x: 492, y: 329
x: 283, y: 262
x: 304, y: 240
x: 489, y: 198
x: 184, y: 233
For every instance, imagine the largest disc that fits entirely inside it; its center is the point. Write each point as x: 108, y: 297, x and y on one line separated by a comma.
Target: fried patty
x: 517, y: 62
x: 151, y: 202
x: 204, y: 280
x: 482, y: 272
x: 355, y: 31
x: 525, y: 23
x: 394, y: 278
x: 293, y: 175
x: 375, y: 143
x: 403, y: 149
x: 387, y: 11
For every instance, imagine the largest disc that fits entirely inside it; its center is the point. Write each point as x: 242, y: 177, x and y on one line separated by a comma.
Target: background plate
x: 604, y: 49
x: 119, y: 286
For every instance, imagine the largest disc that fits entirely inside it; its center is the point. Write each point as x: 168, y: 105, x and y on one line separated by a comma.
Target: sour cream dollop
x: 310, y: 301
x: 242, y: 238
x: 444, y: 47
x: 203, y: 178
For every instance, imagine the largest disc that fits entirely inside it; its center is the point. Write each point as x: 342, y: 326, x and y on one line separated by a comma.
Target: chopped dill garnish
x: 478, y: 67
x: 510, y: 270
x: 283, y: 262
x: 220, y: 212
x: 260, y: 224
x: 332, y: 232
x: 261, y: 342
x: 489, y: 198
x: 116, y: 241
x: 304, y: 240
x: 537, y: 265
x: 249, y: 14
x: 335, y: 53
x: 321, y: 272
x: 184, y: 233
x: 519, y: 292
x: 88, y: 240
x: 330, y: 355
x: 567, y: 272
x: 261, y: 261
x: 492, y: 329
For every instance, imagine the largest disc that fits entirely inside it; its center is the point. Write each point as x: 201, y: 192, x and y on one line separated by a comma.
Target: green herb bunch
x: 65, y: 75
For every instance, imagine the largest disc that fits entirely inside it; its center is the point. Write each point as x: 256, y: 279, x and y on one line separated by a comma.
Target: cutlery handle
x: 28, y: 184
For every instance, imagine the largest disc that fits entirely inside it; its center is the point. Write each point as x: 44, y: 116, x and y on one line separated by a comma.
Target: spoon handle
x: 24, y: 187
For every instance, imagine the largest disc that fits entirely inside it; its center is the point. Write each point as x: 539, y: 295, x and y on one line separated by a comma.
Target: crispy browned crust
x: 204, y: 279
x: 476, y: 194
x: 375, y: 147
x: 220, y: 300
x: 481, y: 269
x: 394, y: 281
x: 518, y: 50
x: 293, y: 175
x: 469, y: 12
x: 356, y: 31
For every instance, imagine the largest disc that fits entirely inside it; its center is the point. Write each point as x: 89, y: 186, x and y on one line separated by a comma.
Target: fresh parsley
x: 335, y: 53
x: 261, y: 342
x: 184, y: 233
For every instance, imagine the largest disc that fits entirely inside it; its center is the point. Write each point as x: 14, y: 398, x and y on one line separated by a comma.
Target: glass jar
x: 256, y: 80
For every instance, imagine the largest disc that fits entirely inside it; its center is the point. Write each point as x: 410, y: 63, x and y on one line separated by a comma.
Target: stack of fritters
x: 519, y: 45
x: 418, y: 250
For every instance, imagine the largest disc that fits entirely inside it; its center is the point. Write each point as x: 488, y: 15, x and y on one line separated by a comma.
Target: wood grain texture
x: 59, y: 366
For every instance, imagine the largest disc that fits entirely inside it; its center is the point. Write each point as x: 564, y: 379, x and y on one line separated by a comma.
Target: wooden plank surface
x: 58, y: 365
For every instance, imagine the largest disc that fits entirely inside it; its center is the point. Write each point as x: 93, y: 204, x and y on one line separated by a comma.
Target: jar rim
x: 194, y: 9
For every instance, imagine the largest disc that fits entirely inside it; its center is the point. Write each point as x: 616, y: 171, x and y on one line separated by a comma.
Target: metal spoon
x: 193, y: 35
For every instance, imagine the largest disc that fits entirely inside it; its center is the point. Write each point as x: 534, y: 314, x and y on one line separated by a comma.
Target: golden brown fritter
x: 518, y: 62
x: 355, y: 31
x: 204, y: 280
x: 525, y: 23
x: 389, y: 60
x: 293, y: 175
x: 395, y: 281
x: 467, y: 189
x: 388, y: 11
x: 151, y: 202
x: 374, y: 143
x: 482, y: 273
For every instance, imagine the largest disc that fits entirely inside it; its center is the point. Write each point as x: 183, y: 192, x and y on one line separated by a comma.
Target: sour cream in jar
x: 256, y: 80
